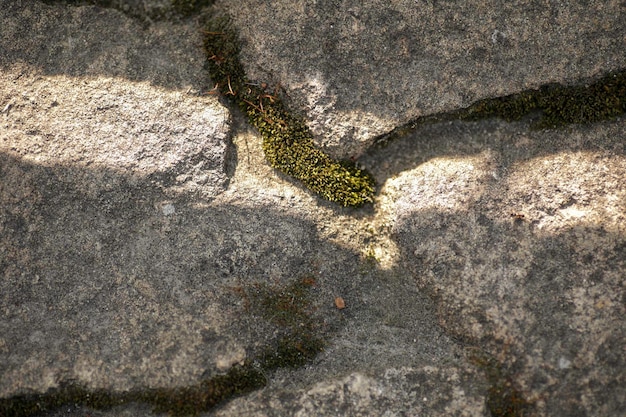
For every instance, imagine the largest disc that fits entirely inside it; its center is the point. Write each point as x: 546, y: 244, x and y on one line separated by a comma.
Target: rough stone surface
x: 65, y: 101
x: 520, y: 237
x: 357, y: 69
x: 426, y: 391
x: 92, y: 41
x: 169, y: 138
x: 128, y: 288
x: 139, y: 220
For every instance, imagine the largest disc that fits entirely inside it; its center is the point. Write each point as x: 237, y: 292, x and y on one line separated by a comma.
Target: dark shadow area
x: 535, y: 307
x: 297, y: 344
x: 96, y: 264
x: 105, y: 274
x: 98, y: 41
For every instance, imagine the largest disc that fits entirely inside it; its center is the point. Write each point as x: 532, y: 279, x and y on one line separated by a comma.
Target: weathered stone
x: 100, y: 134
x: 76, y: 100
x: 126, y: 288
x: 117, y: 274
x: 356, y: 70
x: 134, y: 255
x: 92, y: 41
x: 519, y: 237
x: 170, y: 138
x: 406, y: 391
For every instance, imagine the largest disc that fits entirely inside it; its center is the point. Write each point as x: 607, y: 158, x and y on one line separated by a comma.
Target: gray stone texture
x: 89, y: 87
x: 428, y: 391
x: 100, y: 128
x: 520, y: 238
x: 139, y: 220
x: 356, y: 70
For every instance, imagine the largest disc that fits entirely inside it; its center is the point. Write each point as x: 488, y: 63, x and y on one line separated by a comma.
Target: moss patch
x: 559, y: 105
x: 297, y: 342
x: 503, y: 399
x: 287, y: 142
x: 288, y: 309
x: 176, y: 402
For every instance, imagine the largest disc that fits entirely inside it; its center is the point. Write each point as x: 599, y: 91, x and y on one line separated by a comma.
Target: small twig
x: 215, y: 90
x: 254, y: 105
x: 230, y: 89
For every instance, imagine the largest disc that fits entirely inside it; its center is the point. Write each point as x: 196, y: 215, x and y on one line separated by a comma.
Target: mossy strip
x: 183, y: 401
x: 297, y: 342
x: 33, y: 404
x: 559, y: 105
x: 287, y: 142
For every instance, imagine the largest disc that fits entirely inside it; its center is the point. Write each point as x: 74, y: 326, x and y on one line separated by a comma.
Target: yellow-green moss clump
x: 287, y: 142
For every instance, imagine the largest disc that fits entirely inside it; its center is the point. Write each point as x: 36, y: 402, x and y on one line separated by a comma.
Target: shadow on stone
x: 546, y: 308
x: 93, y: 41
x: 109, y: 283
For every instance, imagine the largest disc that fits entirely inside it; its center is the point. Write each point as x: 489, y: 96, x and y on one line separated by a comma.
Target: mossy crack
x: 557, y: 106
x: 287, y: 142
x: 503, y: 397
x: 297, y: 343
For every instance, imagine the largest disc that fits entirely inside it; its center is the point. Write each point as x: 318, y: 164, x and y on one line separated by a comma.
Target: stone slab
x: 519, y: 236
x: 355, y: 70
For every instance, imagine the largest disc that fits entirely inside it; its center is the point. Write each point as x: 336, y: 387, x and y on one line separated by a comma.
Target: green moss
x: 287, y: 142
x: 192, y: 400
x: 556, y: 105
x: 27, y: 405
x: 503, y: 399
x: 559, y: 105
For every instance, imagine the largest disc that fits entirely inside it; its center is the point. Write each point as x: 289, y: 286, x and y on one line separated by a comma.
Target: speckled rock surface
x: 129, y: 288
x: 88, y: 87
x: 134, y: 234
x: 92, y: 41
x: 98, y: 134
x: 357, y: 69
x: 140, y: 223
x: 426, y: 391
x: 520, y: 238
